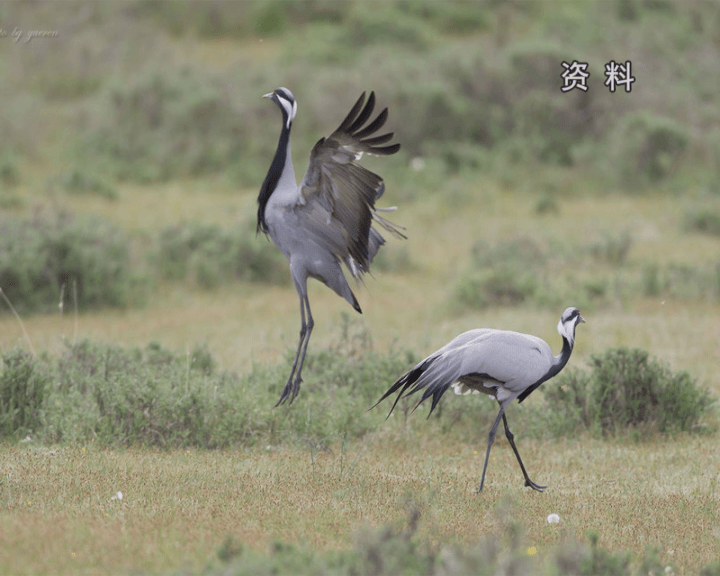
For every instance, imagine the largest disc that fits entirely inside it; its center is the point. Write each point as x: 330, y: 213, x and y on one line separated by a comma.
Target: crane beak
x: 581, y: 319
x: 268, y: 95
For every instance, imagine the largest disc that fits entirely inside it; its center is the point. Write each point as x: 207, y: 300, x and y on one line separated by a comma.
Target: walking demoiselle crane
x: 326, y: 219
x: 501, y: 363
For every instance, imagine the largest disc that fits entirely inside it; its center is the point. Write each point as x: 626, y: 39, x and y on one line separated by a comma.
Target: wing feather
x: 364, y: 115
x: 339, y: 190
x: 503, y: 362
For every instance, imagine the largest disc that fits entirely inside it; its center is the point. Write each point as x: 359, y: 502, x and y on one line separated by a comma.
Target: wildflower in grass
x: 553, y: 519
x: 117, y: 496
x: 532, y: 551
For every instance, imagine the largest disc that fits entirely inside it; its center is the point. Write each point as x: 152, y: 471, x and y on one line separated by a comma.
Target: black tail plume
x: 405, y: 382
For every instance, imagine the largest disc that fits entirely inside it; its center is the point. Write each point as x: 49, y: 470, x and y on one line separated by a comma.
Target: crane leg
x: 511, y: 439
x: 491, y: 439
x: 292, y: 386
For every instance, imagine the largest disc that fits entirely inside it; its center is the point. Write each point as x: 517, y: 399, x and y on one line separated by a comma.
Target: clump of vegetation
x: 500, y: 275
x: 50, y: 256
x: 166, y: 124
x: 520, y: 271
x: 207, y: 255
x: 682, y: 281
x: 154, y: 397
x: 647, y: 148
x: 83, y: 181
x: 24, y: 386
x: 162, y: 121
x: 704, y: 220
x: 625, y: 390
x: 9, y: 172
x: 398, y: 549
x: 501, y: 287
x: 613, y: 248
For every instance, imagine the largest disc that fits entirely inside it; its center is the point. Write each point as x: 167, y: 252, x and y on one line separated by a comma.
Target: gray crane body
x: 326, y: 220
x: 501, y: 363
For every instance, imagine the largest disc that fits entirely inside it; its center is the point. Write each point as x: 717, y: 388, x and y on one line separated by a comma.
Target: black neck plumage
x: 558, y: 365
x: 273, y: 176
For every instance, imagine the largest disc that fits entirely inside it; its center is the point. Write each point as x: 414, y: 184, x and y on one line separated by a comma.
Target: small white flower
x: 417, y: 164
x: 553, y: 519
x: 117, y: 496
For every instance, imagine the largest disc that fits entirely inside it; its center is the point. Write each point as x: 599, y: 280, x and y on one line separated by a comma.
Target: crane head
x: 286, y: 101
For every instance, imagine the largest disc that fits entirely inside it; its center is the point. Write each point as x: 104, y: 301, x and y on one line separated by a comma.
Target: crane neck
x: 280, y: 168
x: 561, y: 359
x: 558, y: 364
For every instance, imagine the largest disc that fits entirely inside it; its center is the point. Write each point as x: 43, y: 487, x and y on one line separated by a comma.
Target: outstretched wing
x: 340, y: 194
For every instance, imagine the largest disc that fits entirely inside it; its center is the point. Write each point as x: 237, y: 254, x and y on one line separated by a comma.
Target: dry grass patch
x: 178, y: 507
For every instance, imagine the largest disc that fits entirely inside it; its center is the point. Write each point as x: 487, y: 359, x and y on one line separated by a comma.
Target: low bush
x: 507, y: 273
x: 79, y: 180
x: 153, y: 397
x: 207, y: 255
x: 704, y: 220
x: 9, y: 171
x: 625, y: 390
x: 682, y: 281
x: 46, y: 252
x: 646, y: 148
x: 499, y: 287
x: 612, y: 248
x: 398, y: 548
x: 24, y: 386
x: 165, y: 124
x: 519, y: 271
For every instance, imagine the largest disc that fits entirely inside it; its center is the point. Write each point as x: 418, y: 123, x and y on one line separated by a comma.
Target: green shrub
x: 498, y: 287
x: 682, y: 281
x: 647, y: 148
x: 625, y: 390
x: 207, y: 255
x: 703, y: 220
x: 9, y: 171
x: 42, y: 254
x: 130, y: 396
x: 154, y: 397
x: 602, y: 562
x: 24, y: 386
x: 504, y: 274
x: 631, y: 390
x: 82, y: 181
x: 165, y: 124
x: 613, y: 248
x: 384, y: 23
x: 398, y: 548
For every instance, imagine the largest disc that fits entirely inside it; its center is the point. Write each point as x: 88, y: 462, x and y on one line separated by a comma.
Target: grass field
x: 177, y: 508
x: 610, y: 204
